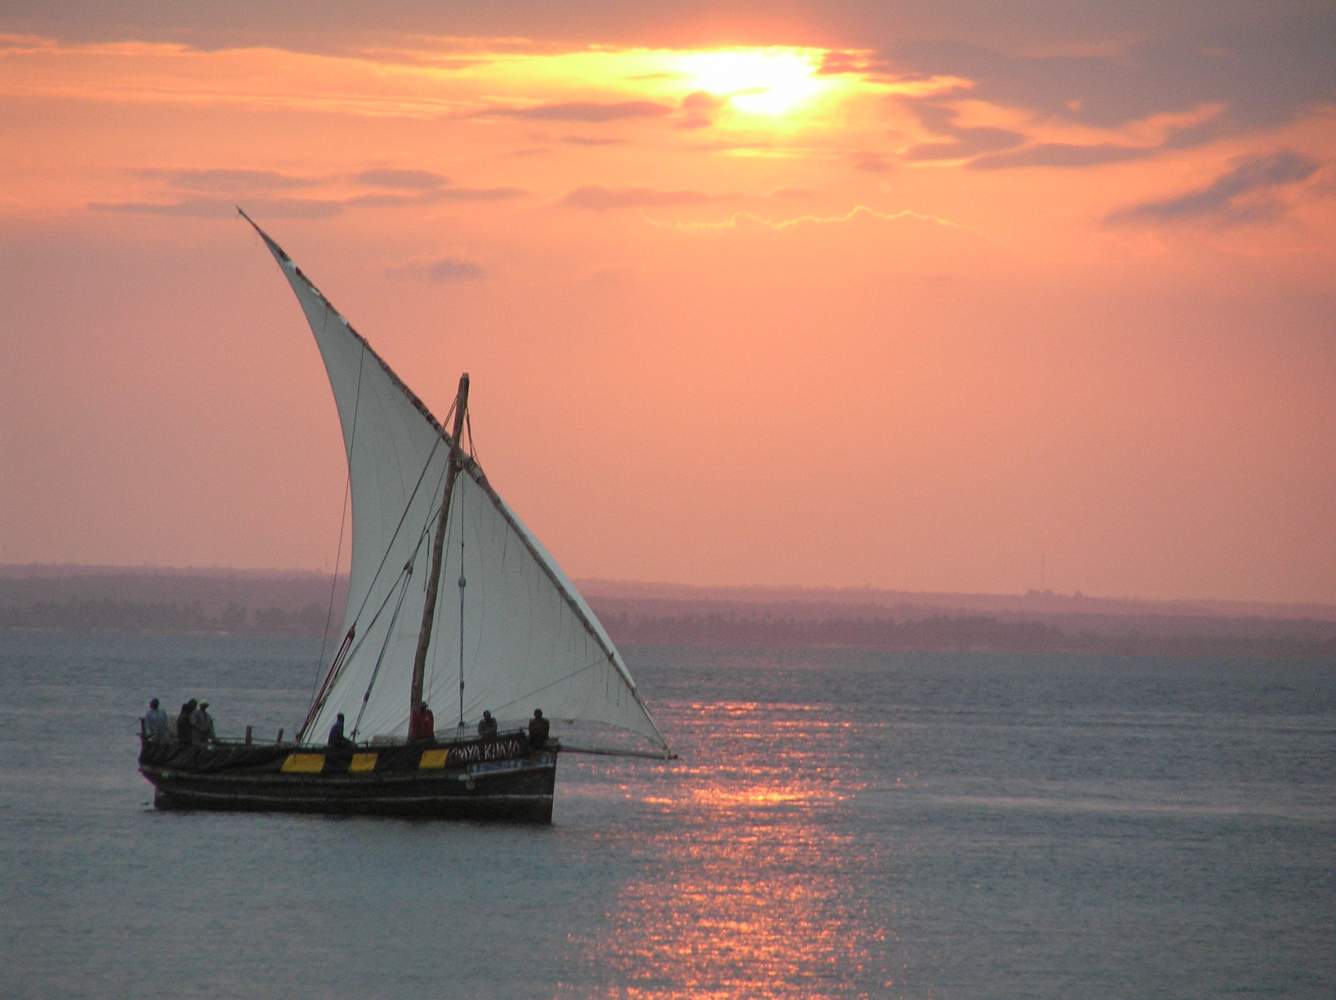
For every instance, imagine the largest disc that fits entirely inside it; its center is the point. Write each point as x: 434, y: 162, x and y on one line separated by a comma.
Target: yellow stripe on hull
x: 433, y: 759
x: 362, y: 762
x: 304, y: 763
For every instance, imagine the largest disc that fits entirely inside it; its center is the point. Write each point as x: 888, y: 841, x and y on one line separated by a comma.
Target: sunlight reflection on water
x: 750, y: 895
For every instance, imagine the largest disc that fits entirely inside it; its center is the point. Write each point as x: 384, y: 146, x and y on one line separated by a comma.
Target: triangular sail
x: 529, y: 639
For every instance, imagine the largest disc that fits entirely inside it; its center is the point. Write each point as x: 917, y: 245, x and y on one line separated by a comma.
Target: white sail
x: 529, y: 639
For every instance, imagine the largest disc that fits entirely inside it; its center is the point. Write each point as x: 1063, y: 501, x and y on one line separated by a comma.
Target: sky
x: 927, y: 296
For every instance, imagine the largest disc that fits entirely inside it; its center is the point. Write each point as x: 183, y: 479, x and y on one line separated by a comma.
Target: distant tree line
x: 940, y: 632
x: 105, y: 613
x: 299, y: 604
x: 964, y: 632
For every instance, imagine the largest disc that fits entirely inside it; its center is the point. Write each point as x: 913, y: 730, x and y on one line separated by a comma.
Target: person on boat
x: 201, y: 723
x: 155, y: 723
x: 486, y: 725
x: 421, y: 724
x: 538, y: 729
x: 185, y: 734
x: 337, y: 741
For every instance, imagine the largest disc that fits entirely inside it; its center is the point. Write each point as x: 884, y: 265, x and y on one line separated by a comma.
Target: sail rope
x: 473, y: 448
x: 357, y: 646
x: 539, y: 690
x: 402, y: 582
x: 405, y: 575
x: 343, y: 518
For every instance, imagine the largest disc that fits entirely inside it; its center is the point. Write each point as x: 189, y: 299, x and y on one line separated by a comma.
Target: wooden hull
x: 485, y: 780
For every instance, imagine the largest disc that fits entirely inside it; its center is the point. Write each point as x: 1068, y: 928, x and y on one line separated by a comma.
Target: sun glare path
x: 756, y: 81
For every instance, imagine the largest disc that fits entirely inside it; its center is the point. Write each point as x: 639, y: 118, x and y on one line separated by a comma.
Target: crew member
x: 421, y: 723
x: 538, y: 728
x: 486, y: 725
x: 337, y: 741
x: 184, y: 728
x: 201, y: 722
x: 155, y: 723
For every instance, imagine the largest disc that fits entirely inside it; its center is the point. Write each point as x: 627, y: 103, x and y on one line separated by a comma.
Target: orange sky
x: 819, y: 294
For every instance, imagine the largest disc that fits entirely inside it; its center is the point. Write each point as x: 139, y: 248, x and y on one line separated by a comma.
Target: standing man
x: 538, y: 729
x: 337, y: 741
x: 202, y: 723
x: 155, y: 723
x: 486, y: 725
x: 184, y: 728
x: 421, y: 723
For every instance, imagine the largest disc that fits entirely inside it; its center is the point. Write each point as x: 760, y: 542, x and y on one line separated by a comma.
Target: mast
x: 462, y: 584
x: 437, y: 546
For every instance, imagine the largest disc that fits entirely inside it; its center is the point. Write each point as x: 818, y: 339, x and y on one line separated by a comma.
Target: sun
x: 757, y: 81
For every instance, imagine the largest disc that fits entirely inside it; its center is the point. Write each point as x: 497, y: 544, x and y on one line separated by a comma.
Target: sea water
x: 838, y: 824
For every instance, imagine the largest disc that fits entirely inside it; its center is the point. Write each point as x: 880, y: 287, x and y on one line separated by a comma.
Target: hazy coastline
x: 301, y: 603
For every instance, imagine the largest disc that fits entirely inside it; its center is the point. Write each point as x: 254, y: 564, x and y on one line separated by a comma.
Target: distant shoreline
x: 214, y: 602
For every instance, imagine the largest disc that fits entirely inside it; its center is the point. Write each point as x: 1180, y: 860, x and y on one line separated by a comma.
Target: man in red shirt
x: 421, y: 723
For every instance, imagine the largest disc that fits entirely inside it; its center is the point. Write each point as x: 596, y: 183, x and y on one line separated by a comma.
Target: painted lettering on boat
x: 472, y: 753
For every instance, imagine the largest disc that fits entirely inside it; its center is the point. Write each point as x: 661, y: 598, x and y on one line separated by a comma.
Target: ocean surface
x: 839, y: 824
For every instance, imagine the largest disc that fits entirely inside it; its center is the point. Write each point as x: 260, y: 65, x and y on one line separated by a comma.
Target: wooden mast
x: 437, y: 546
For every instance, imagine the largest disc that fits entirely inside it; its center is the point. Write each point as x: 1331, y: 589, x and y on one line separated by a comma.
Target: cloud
x: 602, y: 198
x: 839, y: 61
x: 590, y: 140
x: 1064, y: 154
x: 388, y: 177
x: 1241, y: 194
x: 873, y: 163
x: 961, y: 142
x: 224, y: 208
x: 584, y: 111
x: 303, y: 208
x: 699, y: 109
x: 966, y: 142
x: 1220, y: 73
x: 1266, y: 65
x: 227, y: 180
x: 434, y: 195
x: 442, y: 270
x: 739, y: 220
x: 477, y: 194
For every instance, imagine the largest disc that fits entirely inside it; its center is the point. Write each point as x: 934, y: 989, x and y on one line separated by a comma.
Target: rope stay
x: 389, y: 634
x: 350, y: 650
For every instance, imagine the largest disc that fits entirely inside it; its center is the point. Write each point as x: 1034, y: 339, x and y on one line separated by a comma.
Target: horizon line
x: 8, y: 568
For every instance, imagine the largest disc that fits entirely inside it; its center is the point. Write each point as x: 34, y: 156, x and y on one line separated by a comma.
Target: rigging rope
x: 551, y: 684
x: 356, y: 647
x: 389, y: 633
x: 390, y: 545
